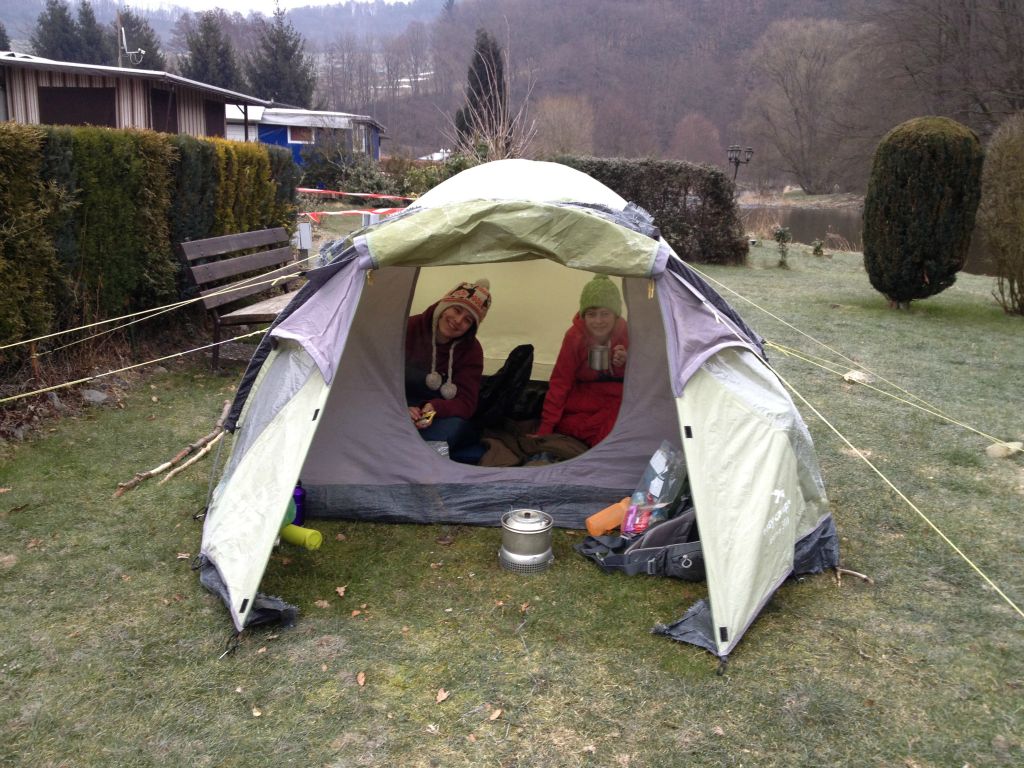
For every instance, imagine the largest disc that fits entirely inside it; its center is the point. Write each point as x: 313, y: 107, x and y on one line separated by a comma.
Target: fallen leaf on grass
x: 356, y: 612
x: 433, y: 729
x: 262, y: 650
x: 471, y: 738
x: 855, y: 452
x: 33, y: 543
x: 341, y: 590
x: 442, y: 694
x: 286, y: 561
x: 323, y: 667
x: 5, y: 490
x: 8, y: 561
x: 125, y: 577
x: 322, y: 604
x: 361, y: 679
x: 340, y: 537
x: 495, y: 715
x: 718, y: 731
x: 182, y: 556
x: 435, y: 566
x: 524, y: 607
x: 257, y: 712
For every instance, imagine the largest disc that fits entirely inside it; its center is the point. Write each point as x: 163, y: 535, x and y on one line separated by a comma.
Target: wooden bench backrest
x: 275, y: 251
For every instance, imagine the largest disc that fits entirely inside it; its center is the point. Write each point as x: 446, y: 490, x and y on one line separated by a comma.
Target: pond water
x: 838, y: 228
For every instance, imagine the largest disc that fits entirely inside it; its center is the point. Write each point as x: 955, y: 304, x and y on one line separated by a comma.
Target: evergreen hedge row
x: 693, y: 205
x: 28, y: 261
x: 91, y: 215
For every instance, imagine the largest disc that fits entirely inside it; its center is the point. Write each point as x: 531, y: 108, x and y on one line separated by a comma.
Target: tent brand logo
x: 779, y: 521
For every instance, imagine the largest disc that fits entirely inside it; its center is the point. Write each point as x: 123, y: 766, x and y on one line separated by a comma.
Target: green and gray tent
x: 323, y: 398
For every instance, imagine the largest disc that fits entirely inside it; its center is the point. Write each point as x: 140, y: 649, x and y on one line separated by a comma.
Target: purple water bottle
x: 299, y: 497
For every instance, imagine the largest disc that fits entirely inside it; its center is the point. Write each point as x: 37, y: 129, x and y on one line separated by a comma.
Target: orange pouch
x: 608, y: 519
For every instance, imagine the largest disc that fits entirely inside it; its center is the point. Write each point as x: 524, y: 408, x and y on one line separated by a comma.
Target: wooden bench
x: 231, y: 268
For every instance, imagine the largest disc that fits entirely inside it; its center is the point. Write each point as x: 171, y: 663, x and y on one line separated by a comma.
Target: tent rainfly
x: 323, y: 399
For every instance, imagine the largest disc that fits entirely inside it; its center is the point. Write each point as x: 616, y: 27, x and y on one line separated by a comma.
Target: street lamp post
x: 734, y: 157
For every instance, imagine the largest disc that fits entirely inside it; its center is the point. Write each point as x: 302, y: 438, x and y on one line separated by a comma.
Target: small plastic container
x: 299, y: 497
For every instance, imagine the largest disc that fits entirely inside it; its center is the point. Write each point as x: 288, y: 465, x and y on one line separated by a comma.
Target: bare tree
x: 801, y: 78
x: 696, y: 140
x: 565, y: 125
x: 966, y: 57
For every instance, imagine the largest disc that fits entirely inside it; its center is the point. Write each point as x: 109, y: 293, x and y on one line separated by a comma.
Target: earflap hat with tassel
x: 475, y: 298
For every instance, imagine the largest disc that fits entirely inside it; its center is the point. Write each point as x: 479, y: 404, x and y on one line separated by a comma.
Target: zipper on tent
x: 688, y: 431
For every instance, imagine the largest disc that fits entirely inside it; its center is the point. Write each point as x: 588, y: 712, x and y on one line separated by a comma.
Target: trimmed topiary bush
x: 1001, y: 211
x: 692, y: 205
x: 920, y: 207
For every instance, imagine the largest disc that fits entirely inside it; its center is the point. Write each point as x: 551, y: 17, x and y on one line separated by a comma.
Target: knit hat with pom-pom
x: 475, y: 298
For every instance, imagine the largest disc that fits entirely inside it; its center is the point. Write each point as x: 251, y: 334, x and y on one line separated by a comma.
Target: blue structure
x: 297, y: 129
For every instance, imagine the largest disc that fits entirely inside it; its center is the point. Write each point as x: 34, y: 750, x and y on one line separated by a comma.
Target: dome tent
x: 323, y: 399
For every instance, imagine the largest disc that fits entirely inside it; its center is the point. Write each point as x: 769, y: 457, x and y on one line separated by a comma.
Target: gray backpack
x: 671, y: 548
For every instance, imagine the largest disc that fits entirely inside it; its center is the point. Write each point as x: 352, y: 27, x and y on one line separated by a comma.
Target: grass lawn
x: 111, y: 647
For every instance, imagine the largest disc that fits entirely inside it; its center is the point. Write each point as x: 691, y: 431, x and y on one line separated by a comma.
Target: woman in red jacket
x: 582, y: 401
x: 444, y: 363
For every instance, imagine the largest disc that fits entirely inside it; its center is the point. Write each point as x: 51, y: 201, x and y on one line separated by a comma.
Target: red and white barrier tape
x: 335, y: 193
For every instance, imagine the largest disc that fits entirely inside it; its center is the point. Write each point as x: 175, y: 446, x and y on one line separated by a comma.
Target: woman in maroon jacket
x: 584, y: 395
x: 444, y: 363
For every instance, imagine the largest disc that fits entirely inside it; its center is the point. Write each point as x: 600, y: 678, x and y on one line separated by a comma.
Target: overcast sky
x: 266, y: 7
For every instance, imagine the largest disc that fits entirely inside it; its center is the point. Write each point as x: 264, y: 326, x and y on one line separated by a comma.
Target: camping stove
x: 526, y: 541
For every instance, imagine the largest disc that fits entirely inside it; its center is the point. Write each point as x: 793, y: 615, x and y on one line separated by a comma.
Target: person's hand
x: 619, y: 356
x: 422, y: 417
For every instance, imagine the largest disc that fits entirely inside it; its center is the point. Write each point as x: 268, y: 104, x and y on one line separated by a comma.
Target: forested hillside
x: 811, y: 85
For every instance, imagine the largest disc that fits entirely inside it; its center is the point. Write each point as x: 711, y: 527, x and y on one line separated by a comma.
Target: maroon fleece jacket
x: 467, y: 367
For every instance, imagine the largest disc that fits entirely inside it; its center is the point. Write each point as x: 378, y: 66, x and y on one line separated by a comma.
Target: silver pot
x: 526, y: 541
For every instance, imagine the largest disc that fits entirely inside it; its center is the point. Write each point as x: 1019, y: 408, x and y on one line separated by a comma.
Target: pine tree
x: 279, y: 68
x: 96, y: 45
x: 210, y: 57
x: 5, y: 41
x: 486, y: 107
x: 140, y: 36
x: 55, y: 36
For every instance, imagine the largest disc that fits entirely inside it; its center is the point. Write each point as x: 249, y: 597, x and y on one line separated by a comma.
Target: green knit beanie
x: 601, y: 292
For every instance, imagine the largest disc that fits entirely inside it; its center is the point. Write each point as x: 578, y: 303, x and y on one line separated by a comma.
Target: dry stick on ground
x: 199, y: 444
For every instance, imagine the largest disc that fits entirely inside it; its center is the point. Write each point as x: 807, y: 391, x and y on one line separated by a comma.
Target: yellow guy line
x: 867, y: 461
x: 126, y: 368
x: 902, y: 495
x: 931, y: 408
x: 146, y: 314
x: 811, y: 359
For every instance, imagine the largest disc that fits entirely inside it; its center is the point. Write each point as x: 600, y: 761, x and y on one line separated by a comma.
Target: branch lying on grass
x: 841, y: 571
x: 202, y: 445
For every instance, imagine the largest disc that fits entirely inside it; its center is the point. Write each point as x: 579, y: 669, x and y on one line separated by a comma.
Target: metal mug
x: 599, y: 358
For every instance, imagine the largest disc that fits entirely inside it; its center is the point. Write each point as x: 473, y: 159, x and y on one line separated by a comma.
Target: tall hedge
x: 119, y: 256
x: 194, y: 191
x: 28, y: 263
x: 90, y: 217
x: 1001, y: 211
x: 693, y: 205
x: 920, y: 207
